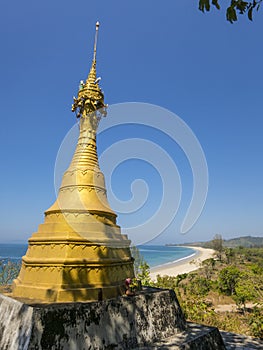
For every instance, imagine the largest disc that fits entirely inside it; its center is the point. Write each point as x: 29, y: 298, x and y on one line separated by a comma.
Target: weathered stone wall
x: 121, y: 323
x: 15, y: 324
x: 152, y: 319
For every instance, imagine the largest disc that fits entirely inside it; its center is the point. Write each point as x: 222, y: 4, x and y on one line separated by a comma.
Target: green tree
x: 199, y: 286
x: 138, y: 259
x: 255, y: 322
x: 208, y: 267
x: 235, y: 8
x: 8, y: 271
x: 170, y: 282
x: 197, y: 310
x: 230, y: 255
x: 141, y: 268
x: 227, y: 279
x: 167, y: 282
x: 144, y: 274
x: 217, y: 245
x: 244, y: 292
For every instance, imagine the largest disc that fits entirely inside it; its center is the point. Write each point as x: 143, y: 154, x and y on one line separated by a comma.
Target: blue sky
x: 169, y: 54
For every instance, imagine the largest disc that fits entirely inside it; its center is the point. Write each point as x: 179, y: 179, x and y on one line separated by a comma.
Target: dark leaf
x: 231, y: 14
x: 204, y: 5
x: 250, y: 13
x: 241, y: 6
x: 216, y: 4
x: 207, y: 5
x: 237, y: 7
x: 201, y: 5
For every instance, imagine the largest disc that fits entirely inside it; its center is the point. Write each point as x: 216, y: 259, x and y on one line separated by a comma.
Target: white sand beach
x: 183, y: 266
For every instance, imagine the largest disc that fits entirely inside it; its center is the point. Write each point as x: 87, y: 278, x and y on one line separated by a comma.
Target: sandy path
x: 184, y: 266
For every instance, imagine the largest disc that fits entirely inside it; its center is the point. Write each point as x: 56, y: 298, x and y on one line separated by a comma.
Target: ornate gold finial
x: 90, y: 97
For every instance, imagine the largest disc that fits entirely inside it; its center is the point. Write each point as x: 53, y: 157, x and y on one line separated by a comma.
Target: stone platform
x: 145, y: 321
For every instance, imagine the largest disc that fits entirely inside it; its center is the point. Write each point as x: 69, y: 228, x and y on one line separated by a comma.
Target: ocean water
x: 154, y: 255
x: 12, y: 252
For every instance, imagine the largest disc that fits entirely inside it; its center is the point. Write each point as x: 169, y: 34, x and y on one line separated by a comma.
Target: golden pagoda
x: 78, y: 253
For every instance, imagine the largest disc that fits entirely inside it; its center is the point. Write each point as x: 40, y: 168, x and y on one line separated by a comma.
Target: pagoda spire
x: 90, y: 96
x: 76, y: 192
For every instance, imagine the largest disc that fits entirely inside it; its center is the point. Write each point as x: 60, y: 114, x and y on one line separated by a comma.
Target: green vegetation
x: 141, y: 268
x: 217, y: 245
x: 228, y: 278
x: 8, y: 271
x: 235, y: 8
x: 226, y: 292
x: 246, y: 242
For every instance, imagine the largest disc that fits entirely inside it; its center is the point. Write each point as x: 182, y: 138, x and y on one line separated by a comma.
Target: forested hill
x: 246, y: 241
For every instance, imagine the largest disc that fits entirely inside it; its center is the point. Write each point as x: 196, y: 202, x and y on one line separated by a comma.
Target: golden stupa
x: 78, y: 253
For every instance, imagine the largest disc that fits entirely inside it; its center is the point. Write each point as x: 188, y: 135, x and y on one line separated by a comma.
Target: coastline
x: 185, y: 265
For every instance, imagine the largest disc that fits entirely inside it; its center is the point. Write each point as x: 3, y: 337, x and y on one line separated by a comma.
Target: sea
x: 157, y: 255
x: 154, y: 255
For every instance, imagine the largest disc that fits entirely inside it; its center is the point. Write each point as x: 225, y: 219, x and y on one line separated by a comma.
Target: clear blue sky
x: 200, y: 67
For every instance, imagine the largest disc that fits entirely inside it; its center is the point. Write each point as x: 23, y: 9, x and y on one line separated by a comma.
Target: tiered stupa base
x: 67, y: 269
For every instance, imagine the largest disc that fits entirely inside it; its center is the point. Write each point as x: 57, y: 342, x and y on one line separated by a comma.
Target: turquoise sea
x: 154, y: 255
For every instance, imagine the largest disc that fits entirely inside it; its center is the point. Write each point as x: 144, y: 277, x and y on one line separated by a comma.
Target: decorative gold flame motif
x: 90, y: 97
x: 78, y: 253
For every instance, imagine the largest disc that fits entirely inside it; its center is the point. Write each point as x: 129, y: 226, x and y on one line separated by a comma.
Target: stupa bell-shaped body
x: 78, y: 253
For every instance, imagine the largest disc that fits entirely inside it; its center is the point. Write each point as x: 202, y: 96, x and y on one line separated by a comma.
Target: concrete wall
x: 152, y: 319
x: 121, y: 323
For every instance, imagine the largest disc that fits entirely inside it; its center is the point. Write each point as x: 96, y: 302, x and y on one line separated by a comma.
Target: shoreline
x: 184, y: 265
